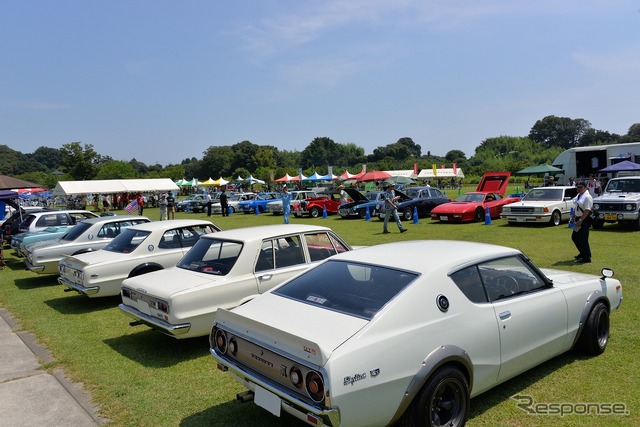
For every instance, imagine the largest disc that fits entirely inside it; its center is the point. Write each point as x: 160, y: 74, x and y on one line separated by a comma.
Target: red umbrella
x: 374, y: 176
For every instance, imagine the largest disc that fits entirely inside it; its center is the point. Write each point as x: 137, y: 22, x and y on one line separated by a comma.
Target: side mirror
x: 606, y: 272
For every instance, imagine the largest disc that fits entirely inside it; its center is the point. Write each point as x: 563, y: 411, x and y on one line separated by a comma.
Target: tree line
x: 547, y: 138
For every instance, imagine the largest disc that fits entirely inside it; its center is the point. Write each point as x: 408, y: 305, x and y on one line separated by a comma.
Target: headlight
x: 630, y: 207
x: 596, y: 206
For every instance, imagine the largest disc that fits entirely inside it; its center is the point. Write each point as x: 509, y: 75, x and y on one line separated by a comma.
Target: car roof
x: 261, y: 232
x: 172, y: 223
x: 424, y: 256
x: 114, y: 218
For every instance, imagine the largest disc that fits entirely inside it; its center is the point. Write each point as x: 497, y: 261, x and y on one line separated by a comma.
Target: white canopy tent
x: 440, y: 173
x: 110, y: 186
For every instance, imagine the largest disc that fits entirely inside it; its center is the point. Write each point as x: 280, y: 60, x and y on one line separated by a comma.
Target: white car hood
x: 308, y: 332
x: 164, y: 283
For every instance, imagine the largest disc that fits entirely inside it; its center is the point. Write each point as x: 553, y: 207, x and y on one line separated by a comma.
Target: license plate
x: 267, y: 400
x: 520, y: 220
x: 444, y: 218
x: 610, y: 217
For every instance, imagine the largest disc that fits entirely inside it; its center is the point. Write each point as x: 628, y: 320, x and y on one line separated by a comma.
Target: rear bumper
x: 79, y: 288
x: 155, y: 323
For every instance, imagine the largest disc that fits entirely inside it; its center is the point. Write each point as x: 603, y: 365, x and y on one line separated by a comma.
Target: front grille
x: 613, y: 207
x: 523, y: 209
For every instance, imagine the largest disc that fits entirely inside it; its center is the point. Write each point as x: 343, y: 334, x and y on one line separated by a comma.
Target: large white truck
x: 580, y: 162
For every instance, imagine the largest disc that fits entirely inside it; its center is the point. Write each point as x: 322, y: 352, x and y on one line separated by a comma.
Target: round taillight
x: 233, y: 346
x: 315, y: 386
x: 221, y: 341
x: 295, y: 375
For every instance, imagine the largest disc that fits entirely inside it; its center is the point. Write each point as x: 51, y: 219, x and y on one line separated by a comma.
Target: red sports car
x: 467, y: 207
x: 316, y: 205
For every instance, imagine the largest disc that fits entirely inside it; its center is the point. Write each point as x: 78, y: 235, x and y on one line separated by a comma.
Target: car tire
x: 479, y: 215
x: 595, y: 335
x: 362, y: 213
x: 407, y: 214
x: 556, y: 218
x: 314, y: 212
x: 442, y: 401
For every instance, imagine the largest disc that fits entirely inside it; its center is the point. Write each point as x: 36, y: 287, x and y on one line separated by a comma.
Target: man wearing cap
x: 286, y: 204
x: 582, y: 220
x: 390, y: 207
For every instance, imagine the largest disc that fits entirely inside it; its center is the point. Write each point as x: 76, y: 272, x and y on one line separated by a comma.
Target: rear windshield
x: 359, y: 290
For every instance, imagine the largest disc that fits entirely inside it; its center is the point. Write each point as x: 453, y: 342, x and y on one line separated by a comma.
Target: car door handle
x: 265, y: 277
x: 505, y: 315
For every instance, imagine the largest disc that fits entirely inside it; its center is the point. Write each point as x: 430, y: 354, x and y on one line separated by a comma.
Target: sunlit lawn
x: 140, y: 377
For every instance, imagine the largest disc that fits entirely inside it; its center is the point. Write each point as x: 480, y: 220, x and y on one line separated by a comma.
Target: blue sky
x: 161, y: 81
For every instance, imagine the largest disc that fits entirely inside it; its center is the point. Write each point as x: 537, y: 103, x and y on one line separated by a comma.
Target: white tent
x: 407, y: 173
x: 440, y: 173
x: 110, y: 186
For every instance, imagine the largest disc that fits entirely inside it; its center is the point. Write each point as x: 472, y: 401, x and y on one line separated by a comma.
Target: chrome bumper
x: 155, y: 323
x: 289, y: 402
x: 79, y: 288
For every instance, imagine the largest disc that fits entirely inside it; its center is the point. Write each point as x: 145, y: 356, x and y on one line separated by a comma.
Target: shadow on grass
x: 152, y: 349
x: 238, y: 414
x: 37, y: 281
x: 514, y: 386
x: 75, y: 303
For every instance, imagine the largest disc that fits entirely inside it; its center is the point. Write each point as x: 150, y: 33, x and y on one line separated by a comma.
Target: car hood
x: 355, y: 195
x: 616, y: 197
x: 494, y: 182
x: 307, y: 340
x: 164, y: 283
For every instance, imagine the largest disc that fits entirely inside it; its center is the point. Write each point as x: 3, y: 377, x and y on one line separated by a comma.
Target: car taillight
x: 315, y: 386
x: 220, y: 341
x: 295, y: 375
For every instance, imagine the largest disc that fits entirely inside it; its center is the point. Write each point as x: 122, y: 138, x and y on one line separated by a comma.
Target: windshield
x: 544, y: 194
x: 127, y: 241
x: 623, y: 186
x: 359, y: 290
x: 76, y: 231
x: 372, y: 196
x: 470, y: 197
x: 211, y: 256
x: 413, y: 193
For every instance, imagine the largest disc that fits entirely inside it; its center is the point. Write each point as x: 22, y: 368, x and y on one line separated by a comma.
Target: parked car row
x: 332, y: 335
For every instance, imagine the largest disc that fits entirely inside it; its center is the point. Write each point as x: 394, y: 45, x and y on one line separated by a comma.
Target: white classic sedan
x: 224, y: 269
x: 137, y: 250
x: 370, y: 339
x: 89, y: 235
x: 549, y: 205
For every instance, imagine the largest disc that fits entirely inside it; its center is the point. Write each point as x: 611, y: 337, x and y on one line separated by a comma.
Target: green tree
x: 117, y: 169
x: 49, y: 157
x: 321, y: 151
x: 562, y: 132
x: 217, y: 161
x: 80, y: 163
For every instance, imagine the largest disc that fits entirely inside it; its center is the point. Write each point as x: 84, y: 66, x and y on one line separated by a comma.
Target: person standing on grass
x: 171, y: 206
x: 390, y: 207
x: 224, y: 203
x: 162, y: 203
x: 582, y: 220
x: 286, y: 204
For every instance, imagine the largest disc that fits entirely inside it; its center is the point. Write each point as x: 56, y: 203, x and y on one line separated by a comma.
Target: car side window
x: 469, y: 282
x: 265, y: 258
x: 319, y: 245
x: 508, y: 277
x: 169, y: 240
x: 288, y: 251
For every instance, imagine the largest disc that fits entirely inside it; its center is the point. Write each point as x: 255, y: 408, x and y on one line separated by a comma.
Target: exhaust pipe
x: 245, y: 396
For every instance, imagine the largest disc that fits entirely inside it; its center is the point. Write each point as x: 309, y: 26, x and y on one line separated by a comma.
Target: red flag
x: 455, y: 169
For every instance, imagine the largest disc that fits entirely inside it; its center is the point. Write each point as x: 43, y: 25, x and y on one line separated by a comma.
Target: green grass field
x: 140, y: 377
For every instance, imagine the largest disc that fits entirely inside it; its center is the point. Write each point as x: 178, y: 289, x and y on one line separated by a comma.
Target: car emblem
x: 374, y: 372
x: 150, y: 248
x: 90, y: 237
x: 141, y: 290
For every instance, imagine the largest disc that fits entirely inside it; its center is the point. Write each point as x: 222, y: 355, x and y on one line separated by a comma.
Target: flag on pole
x: 132, y: 206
